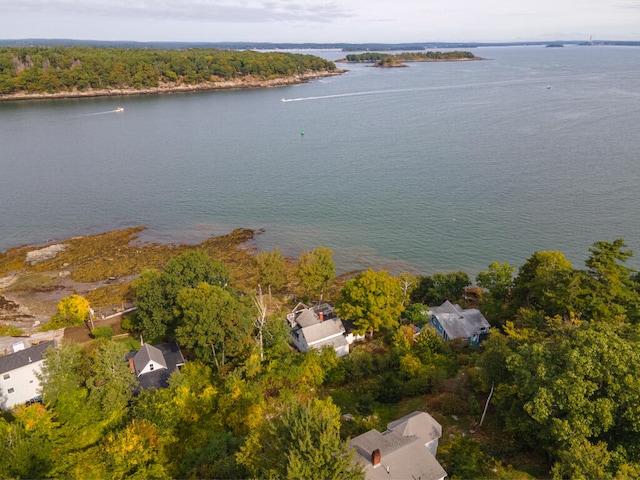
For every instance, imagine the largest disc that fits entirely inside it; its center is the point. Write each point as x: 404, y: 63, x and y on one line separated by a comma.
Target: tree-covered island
x: 50, y: 72
x: 397, y: 60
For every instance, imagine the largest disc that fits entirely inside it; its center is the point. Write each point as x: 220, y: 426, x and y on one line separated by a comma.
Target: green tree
x: 156, y: 293
x: 546, y: 282
x: 316, y: 270
x: 213, y: 323
x: 192, y: 268
x: 133, y: 452
x: 610, y: 291
x: 111, y: 382
x: 462, y: 458
x: 583, y: 460
x: 271, y: 269
x: 63, y: 384
x: 497, y: 281
x: 303, y: 442
x: 27, y: 443
x: 435, y: 289
x: 372, y: 300
x: 154, y: 307
x: 574, y: 386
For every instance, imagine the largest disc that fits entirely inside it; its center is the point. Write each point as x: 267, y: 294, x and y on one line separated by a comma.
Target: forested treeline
x: 408, y: 56
x: 58, y: 69
x: 561, y: 361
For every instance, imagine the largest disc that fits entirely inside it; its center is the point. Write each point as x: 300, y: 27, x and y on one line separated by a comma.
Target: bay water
x: 433, y: 167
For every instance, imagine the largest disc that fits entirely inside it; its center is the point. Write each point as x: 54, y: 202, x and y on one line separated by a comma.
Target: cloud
x: 229, y: 11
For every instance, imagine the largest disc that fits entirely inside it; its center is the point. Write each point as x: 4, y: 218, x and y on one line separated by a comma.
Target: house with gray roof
x: 19, y: 371
x: 452, y: 321
x: 154, y: 364
x: 317, y: 327
x: 406, y: 450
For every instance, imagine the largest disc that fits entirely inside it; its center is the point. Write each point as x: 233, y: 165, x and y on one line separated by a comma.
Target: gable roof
x: 24, y: 357
x: 420, y: 424
x: 323, y: 330
x: 172, y: 359
x: 146, y: 354
x: 402, y: 448
x: 458, y: 322
x: 306, y: 318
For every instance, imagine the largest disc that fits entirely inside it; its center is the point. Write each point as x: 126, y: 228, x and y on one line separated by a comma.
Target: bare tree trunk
x: 262, y: 318
x: 486, y: 406
x: 215, y: 357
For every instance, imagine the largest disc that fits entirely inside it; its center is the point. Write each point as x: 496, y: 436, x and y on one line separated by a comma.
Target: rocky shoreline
x: 240, y: 83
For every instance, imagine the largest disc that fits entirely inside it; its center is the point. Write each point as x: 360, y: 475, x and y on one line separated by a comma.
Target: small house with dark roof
x: 317, y: 327
x: 19, y: 371
x: 452, y: 321
x: 154, y: 364
x: 407, y: 449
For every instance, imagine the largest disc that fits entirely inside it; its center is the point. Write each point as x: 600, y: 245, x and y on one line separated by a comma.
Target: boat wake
x: 339, y: 95
x: 116, y: 110
x: 422, y: 89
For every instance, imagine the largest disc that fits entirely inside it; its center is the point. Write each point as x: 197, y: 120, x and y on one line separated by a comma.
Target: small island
x: 387, y: 60
x: 62, y: 72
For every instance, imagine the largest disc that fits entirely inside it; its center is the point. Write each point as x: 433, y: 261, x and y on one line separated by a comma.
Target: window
x: 6, y: 376
x: 11, y: 390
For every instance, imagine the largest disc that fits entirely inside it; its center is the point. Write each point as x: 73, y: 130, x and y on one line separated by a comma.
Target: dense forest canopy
x: 56, y: 69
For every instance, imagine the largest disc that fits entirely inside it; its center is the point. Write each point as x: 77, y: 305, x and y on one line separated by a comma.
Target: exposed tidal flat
x: 434, y: 167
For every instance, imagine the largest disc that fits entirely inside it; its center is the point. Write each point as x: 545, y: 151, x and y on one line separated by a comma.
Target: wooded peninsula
x: 396, y: 60
x: 50, y: 72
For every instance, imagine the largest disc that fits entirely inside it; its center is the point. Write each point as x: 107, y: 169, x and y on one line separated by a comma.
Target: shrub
x: 452, y: 404
x: 102, y: 332
x: 128, y: 323
x: 419, y: 386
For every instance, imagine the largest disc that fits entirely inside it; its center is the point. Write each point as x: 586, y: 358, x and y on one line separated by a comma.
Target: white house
x: 18, y: 381
x: 148, y: 359
x: 317, y: 327
x: 153, y: 365
x: 452, y: 321
x: 407, y: 449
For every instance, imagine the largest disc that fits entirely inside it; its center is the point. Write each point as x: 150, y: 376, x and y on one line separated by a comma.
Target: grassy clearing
x: 132, y: 344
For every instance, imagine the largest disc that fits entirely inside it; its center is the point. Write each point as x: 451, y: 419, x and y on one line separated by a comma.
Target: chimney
x: 375, y: 457
x: 321, y: 315
x: 132, y: 366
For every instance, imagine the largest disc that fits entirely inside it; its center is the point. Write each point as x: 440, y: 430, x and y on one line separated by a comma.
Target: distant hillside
x: 347, y: 47
x: 52, y: 70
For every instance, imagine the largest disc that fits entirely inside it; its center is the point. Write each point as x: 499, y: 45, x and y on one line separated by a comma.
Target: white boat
x: 283, y: 99
x: 118, y: 109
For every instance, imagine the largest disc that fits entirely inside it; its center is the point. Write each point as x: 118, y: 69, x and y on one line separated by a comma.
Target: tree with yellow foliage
x: 72, y: 310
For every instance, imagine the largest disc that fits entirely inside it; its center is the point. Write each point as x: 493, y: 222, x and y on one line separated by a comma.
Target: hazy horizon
x: 350, y: 21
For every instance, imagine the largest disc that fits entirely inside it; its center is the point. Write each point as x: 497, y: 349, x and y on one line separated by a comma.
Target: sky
x: 322, y: 21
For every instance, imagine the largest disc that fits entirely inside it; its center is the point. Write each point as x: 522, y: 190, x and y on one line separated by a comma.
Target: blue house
x: 452, y: 321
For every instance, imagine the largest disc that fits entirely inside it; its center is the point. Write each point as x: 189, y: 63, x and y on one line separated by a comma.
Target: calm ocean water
x: 434, y: 167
